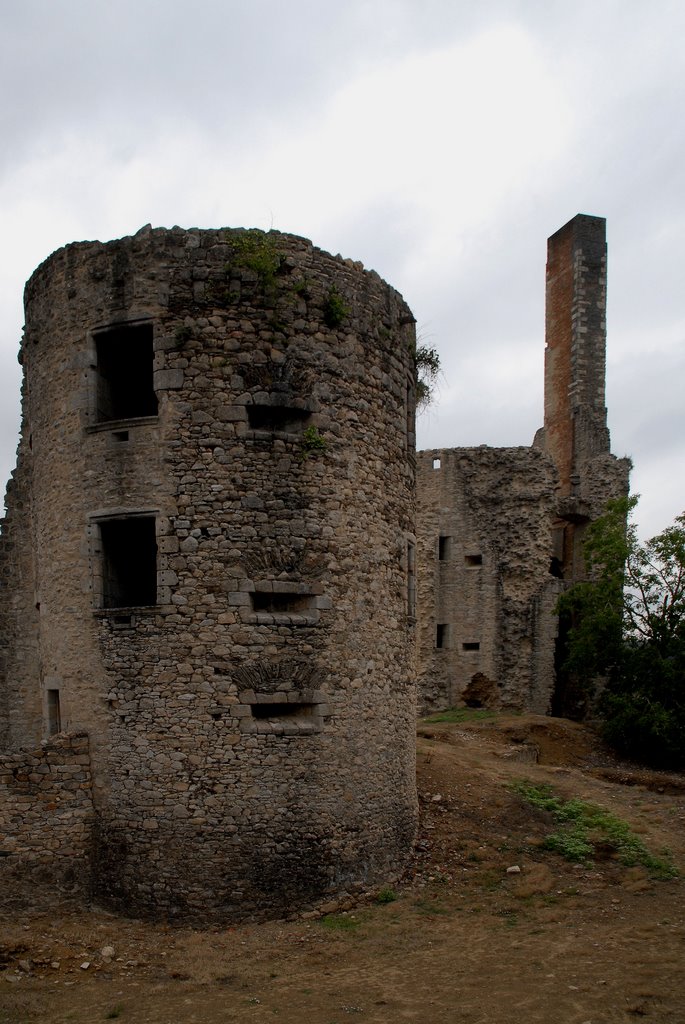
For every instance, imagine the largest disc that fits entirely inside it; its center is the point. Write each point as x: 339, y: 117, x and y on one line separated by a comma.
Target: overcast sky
x: 439, y: 141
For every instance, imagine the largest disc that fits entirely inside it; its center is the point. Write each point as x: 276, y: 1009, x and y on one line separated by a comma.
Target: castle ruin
x: 210, y: 574
x: 500, y: 530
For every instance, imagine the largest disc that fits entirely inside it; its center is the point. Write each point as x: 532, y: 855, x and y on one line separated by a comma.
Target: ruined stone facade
x: 500, y: 529
x: 207, y: 566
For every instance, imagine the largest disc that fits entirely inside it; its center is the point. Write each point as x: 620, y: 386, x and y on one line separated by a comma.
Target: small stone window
x: 470, y: 646
x: 472, y: 560
x: 124, y: 383
x: 285, y: 419
x: 441, y: 635
x: 444, y: 548
x: 282, y: 709
x: 291, y: 713
x: 280, y: 603
x: 436, y: 463
x: 129, y: 562
x: 53, y: 710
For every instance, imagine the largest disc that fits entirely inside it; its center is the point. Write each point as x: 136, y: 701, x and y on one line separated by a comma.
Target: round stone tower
x: 215, y: 496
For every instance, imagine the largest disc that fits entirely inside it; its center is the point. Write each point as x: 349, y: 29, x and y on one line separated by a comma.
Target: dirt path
x: 465, y: 941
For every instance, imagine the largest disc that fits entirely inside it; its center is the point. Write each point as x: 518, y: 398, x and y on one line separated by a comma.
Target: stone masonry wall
x: 218, y: 571
x: 46, y: 812
x: 485, y: 591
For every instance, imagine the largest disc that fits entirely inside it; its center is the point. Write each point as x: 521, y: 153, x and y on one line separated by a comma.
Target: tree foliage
x: 627, y: 628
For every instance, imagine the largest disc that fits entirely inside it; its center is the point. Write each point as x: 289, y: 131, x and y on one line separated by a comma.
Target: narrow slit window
x: 124, y: 359
x: 470, y: 646
x: 441, y: 635
x: 129, y: 562
x: 444, y: 548
x: 54, y: 715
x: 473, y: 560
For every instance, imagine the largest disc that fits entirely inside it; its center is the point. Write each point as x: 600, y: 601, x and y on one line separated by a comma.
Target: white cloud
x: 440, y: 143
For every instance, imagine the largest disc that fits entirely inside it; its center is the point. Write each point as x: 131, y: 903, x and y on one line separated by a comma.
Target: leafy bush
x: 427, y: 366
x: 626, y: 626
x: 334, y: 309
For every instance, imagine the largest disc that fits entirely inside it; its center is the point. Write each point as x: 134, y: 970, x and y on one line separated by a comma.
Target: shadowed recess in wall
x: 274, y: 676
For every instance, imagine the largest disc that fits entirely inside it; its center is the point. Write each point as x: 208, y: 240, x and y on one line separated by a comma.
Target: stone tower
x: 208, y: 558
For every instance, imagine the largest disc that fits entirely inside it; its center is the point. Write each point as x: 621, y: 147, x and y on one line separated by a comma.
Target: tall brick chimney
x: 575, y: 353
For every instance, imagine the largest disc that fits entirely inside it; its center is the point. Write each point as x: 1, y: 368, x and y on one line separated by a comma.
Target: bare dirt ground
x: 464, y: 941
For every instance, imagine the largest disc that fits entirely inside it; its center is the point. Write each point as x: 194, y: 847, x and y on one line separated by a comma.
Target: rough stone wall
x: 485, y: 591
x: 251, y: 729
x: 523, y: 510
x: 46, y: 812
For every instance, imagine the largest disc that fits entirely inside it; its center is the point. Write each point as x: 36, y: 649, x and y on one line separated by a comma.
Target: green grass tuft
x: 340, y: 922
x: 585, y: 829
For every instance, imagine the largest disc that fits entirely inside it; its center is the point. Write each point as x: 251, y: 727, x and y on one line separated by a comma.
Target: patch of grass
x: 256, y: 250
x: 386, y: 895
x: 334, y: 309
x: 313, y: 443
x: 115, y: 1012
x: 586, y: 829
x: 340, y: 922
x: 461, y: 715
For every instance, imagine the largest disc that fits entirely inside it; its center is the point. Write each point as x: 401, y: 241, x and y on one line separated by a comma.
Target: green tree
x: 626, y: 627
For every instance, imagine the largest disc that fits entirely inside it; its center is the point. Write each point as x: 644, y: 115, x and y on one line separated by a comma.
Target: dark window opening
x: 285, y: 418
x: 54, y: 716
x: 272, y: 602
x: 470, y: 646
x: 444, y: 548
x: 436, y: 463
x: 129, y: 562
x: 282, y: 709
x: 124, y: 373
x: 411, y: 579
x: 120, y: 435
x: 473, y: 559
x: 441, y: 634
x: 556, y: 569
